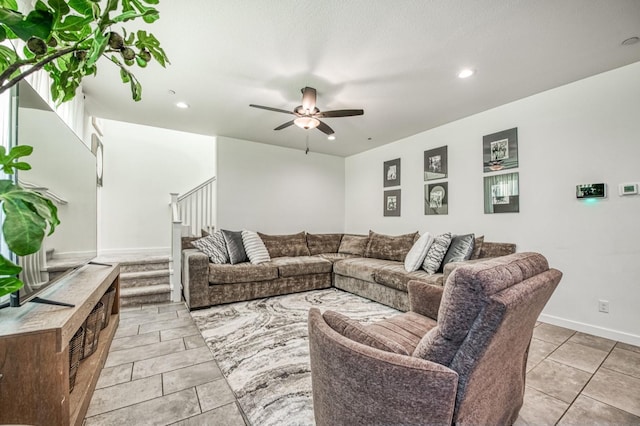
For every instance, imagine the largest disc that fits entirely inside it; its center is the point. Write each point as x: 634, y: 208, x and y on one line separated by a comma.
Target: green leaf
x: 124, y: 75
x: 40, y: 205
x: 152, y: 1
x: 22, y: 166
x: 20, y: 151
x: 3, y: 34
x: 38, y: 23
x: 60, y: 8
x: 83, y: 7
x: 9, y: 4
x: 9, y: 285
x: 23, y: 229
x: 73, y: 23
x: 7, y: 267
x: 101, y: 41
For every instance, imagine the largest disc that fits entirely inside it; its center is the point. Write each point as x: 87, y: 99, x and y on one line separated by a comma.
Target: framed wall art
x: 392, y: 202
x: 391, y: 173
x: 500, y: 150
x: 436, y: 198
x: 435, y: 163
x: 501, y: 193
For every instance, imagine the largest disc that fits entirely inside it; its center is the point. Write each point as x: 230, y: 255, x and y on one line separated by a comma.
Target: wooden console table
x: 34, y: 350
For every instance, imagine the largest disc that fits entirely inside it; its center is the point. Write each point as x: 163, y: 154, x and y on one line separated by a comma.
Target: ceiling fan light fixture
x: 331, y: 137
x: 466, y: 73
x: 306, y: 122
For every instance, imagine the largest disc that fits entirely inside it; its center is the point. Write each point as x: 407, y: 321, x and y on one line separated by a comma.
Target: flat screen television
x: 64, y: 170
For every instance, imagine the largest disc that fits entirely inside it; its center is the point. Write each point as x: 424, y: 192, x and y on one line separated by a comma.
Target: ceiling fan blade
x: 325, y: 129
x: 284, y: 126
x: 271, y: 109
x: 340, y: 113
x: 309, y: 99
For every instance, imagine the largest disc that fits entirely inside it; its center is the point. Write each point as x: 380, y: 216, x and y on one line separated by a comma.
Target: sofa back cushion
x: 353, y: 244
x: 389, y: 247
x: 285, y: 245
x: 323, y: 243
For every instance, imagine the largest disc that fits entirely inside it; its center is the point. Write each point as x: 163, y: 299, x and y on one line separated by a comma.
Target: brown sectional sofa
x: 358, y: 264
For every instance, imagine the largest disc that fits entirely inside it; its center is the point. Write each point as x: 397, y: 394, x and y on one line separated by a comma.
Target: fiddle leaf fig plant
x: 28, y: 217
x: 66, y: 39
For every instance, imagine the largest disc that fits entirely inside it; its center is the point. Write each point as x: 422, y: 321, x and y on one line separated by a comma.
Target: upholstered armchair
x: 458, y: 356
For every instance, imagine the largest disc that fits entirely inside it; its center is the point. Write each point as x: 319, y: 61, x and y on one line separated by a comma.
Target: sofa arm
x: 451, y: 266
x: 424, y: 299
x: 490, y: 249
x: 354, y: 384
x: 195, y: 278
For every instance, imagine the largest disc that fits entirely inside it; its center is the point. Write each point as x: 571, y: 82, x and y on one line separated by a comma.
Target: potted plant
x: 65, y: 39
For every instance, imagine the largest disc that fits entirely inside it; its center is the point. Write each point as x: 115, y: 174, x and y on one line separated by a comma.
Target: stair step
x: 144, y: 278
x: 138, y: 263
x: 151, y: 294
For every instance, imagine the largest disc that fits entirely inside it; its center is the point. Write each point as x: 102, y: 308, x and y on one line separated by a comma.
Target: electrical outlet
x: 603, y: 306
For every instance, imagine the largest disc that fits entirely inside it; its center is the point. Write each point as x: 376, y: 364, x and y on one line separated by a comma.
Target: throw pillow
x: 389, y: 247
x: 254, y: 247
x: 355, y: 331
x: 323, y: 243
x: 418, y: 252
x: 285, y: 245
x: 461, y: 248
x: 436, y: 253
x: 353, y: 244
x: 477, y: 247
x: 235, y: 247
x: 214, y: 246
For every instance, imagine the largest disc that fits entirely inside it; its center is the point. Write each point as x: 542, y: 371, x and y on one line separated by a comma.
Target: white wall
x: 585, y: 132
x: 142, y: 165
x: 278, y: 190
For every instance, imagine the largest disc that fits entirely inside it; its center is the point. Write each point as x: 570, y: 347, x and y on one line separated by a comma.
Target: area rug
x: 262, y: 348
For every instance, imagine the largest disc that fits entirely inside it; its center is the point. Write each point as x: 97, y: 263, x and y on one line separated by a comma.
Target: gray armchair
x: 468, y: 367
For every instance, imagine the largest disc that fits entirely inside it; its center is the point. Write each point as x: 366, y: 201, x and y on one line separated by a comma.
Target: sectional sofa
x: 371, y: 266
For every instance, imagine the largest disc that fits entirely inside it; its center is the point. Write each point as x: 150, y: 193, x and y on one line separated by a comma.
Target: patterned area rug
x: 262, y: 348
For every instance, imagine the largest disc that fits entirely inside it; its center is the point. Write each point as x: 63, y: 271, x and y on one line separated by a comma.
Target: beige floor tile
x: 558, y: 380
x: 615, y: 389
x: 148, y: 318
x: 172, y: 307
x: 587, y: 411
x: 165, y: 325
x: 135, y: 341
x: 192, y: 342
x: 541, y: 409
x: 176, y: 333
x: 579, y: 356
x: 214, y: 394
x: 173, y: 381
x: 126, y: 331
x: 114, y: 375
x: 125, y: 394
x: 538, y: 351
x: 628, y: 347
x: 624, y: 361
x: 174, y: 361
x: 227, y: 415
x: 552, y: 333
x: 159, y: 411
x: 144, y: 352
x: 593, y: 341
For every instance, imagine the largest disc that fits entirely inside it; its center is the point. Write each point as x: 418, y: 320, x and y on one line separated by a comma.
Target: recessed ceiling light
x: 465, y: 73
x: 630, y: 41
x: 182, y: 105
x: 331, y: 137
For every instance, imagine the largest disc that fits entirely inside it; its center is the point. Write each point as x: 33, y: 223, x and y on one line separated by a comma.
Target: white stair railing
x: 190, y: 213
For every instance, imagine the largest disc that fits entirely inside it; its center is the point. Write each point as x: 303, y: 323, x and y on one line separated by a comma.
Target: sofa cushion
x: 466, y: 294
x: 389, y: 247
x: 334, y: 257
x: 406, y: 329
x: 235, y: 246
x: 353, y: 330
x: 461, y: 248
x: 301, y: 265
x: 477, y: 247
x: 395, y: 276
x: 361, y: 268
x: 418, y: 252
x: 214, y: 246
x: 254, y: 247
x: 436, y: 253
x: 323, y: 243
x: 286, y: 245
x: 241, y: 273
x: 353, y: 244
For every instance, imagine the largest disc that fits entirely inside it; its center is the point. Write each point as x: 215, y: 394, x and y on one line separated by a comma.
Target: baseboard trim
x: 147, y: 251
x: 607, y: 333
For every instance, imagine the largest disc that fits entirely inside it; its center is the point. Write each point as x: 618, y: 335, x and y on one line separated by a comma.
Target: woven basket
x: 75, y: 354
x: 107, y: 300
x: 93, y: 325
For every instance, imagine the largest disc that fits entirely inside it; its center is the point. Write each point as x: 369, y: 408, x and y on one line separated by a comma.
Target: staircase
x: 143, y: 280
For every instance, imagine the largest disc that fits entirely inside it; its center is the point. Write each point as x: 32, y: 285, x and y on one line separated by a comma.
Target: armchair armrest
x: 424, y: 299
x: 195, y: 278
x: 356, y: 384
x: 451, y: 266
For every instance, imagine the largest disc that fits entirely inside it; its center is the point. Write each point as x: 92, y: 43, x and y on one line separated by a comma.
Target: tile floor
x: 160, y: 371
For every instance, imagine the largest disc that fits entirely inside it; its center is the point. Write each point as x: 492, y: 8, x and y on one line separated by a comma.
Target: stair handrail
x: 44, y: 191
x: 196, y: 189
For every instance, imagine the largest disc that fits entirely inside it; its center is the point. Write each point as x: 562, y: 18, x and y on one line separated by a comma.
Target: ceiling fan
x: 308, y: 115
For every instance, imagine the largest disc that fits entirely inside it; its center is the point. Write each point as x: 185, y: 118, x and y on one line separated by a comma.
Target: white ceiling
x: 396, y: 59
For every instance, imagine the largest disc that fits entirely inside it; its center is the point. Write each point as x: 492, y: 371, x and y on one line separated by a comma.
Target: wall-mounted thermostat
x: 591, y: 190
x: 628, y: 189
